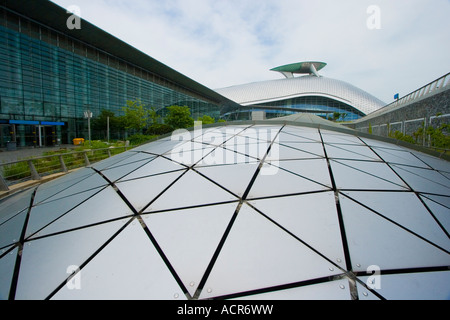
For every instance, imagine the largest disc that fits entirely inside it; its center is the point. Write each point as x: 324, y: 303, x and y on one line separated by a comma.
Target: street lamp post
x: 88, y: 116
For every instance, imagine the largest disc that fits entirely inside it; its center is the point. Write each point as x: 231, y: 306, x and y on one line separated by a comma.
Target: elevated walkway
x: 422, y: 108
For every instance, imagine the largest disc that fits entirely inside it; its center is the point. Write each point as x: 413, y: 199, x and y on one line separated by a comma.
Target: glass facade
x: 51, y: 79
x: 321, y: 106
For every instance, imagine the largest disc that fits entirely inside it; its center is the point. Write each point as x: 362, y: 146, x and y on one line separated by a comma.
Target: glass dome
x: 243, y: 211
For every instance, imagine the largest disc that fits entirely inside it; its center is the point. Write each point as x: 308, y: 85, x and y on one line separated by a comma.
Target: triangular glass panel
x: 351, y: 152
x: 267, y: 133
x: 258, y: 254
x: 213, y: 138
x: 365, y: 175
x: 413, y: 286
x: 382, y: 144
x: 190, y: 190
x: 190, y: 237
x: 339, y: 138
x: 221, y: 156
x: 135, y: 157
x: 91, y: 182
x: 11, y: 229
x: 405, y: 209
x: 140, y: 192
x: 112, y: 161
x: 440, y: 211
x: 116, y: 172
x: 157, y: 166
x: 103, y: 206
x: 400, y: 157
x: 316, y: 149
x: 363, y: 293
x: 273, y: 181
x: 220, y: 136
x: 235, y: 178
x: 252, y: 151
x: 53, y: 188
x: 330, y: 290
x: 312, y: 169
x: 442, y: 200
x: 257, y: 133
x: 47, y: 212
x: 44, y: 264
x: 310, y: 217
x: 12, y: 205
x: 424, y: 180
x: 284, y: 152
x: 305, y: 134
x: 433, y: 162
x: 189, y: 154
x: 129, y: 267
x: 373, y: 240
x: 288, y: 137
x: 161, y: 147
x: 7, y: 264
x: 445, y: 174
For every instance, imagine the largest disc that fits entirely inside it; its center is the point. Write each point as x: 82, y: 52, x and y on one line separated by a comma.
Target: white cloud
x: 226, y: 42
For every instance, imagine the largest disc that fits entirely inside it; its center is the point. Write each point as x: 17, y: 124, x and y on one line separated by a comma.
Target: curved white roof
x: 274, y: 90
x: 239, y: 211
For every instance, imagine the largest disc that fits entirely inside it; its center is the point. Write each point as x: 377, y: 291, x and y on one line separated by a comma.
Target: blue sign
x: 36, y: 123
x: 50, y: 123
x: 23, y: 122
x: 396, y: 96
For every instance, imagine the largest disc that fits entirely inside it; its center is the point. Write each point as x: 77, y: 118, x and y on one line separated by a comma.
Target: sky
x: 381, y: 46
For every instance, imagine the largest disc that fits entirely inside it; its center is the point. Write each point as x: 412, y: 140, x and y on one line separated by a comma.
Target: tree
x: 439, y: 137
x: 153, y: 115
x: 206, y: 119
x: 179, y: 117
x: 136, y: 116
x: 336, y: 116
x: 100, y: 123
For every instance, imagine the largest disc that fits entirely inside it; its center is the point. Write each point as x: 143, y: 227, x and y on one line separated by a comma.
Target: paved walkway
x: 23, y: 153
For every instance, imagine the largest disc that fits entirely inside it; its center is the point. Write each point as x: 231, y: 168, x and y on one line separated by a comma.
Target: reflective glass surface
x: 262, y: 212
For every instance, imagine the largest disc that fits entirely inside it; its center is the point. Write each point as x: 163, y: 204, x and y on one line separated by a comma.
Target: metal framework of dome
x: 260, y: 211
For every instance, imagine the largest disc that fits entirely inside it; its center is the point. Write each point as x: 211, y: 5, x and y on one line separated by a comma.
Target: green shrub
x: 439, y: 136
x: 179, y: 117
x: 404, y: 137
x: 140, y: 139
x: 16, y: 171
x: 94, y: 144
x: 206, y: 119
x: 159, y: 129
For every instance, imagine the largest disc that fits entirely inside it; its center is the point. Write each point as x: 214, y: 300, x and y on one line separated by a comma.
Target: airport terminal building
x: 308, y: 93
x: 50, y: 75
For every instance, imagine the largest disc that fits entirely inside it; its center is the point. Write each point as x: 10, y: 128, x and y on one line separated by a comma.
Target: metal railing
x: 423, y: 91
x: 36, y: 168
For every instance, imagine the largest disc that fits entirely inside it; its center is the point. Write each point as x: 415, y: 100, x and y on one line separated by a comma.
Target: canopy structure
x: 307, y: 67
x: 270, y: 210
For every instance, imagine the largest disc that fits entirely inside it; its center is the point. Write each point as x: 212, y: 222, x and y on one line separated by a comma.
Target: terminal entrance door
x: 50, y: 136
x: 6, y: 135
x: 46, y: 136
